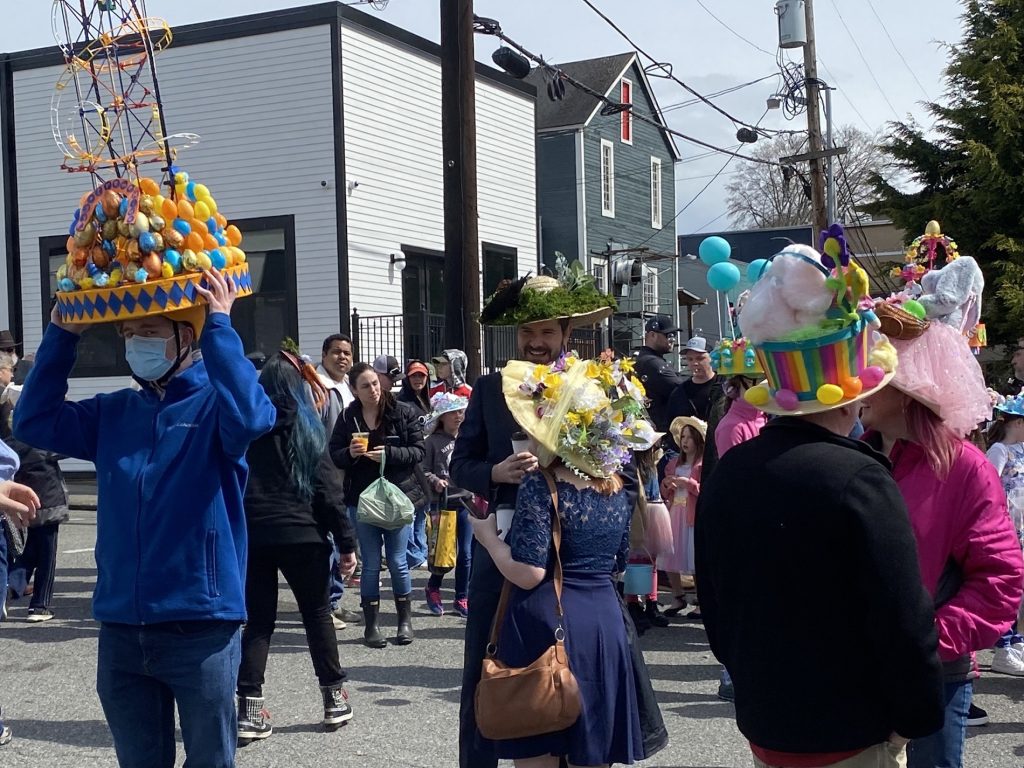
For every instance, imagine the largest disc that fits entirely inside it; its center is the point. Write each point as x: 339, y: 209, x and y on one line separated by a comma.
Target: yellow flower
x: 572, y: 419
x: 552, y: 382
x: 587, y: 416
x: 593, y: 370
x: 627, y: 365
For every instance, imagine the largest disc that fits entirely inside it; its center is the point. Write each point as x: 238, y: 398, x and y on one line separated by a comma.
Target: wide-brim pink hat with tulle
x: 939, y: 370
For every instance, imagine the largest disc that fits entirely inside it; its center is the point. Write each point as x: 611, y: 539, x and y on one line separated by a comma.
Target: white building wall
x: 263, y: 107
x: 392, y: 96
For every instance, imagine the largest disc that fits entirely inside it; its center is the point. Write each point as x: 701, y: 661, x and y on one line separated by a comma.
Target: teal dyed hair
x: 307, y: 439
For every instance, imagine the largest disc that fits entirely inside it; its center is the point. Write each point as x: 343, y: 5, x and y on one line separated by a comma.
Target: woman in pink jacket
x: 970, y: 560
x: 741, y: 421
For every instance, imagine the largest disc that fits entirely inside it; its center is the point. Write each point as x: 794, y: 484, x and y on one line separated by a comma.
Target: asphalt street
x: 405, y: 698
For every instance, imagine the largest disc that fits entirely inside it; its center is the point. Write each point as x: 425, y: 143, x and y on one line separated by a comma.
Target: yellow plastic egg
x: 167, y: 270
x: 757, y: 396
x: 830, y: 394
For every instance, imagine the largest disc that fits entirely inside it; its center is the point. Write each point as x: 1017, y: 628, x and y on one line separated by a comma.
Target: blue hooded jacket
x: 170, y: 527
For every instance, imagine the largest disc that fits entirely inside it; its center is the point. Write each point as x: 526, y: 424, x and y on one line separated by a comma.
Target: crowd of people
x: 565, y: 495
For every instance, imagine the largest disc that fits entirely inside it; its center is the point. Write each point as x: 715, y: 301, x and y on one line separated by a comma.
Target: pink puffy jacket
x: 963, y: 517
x: 741, y: 423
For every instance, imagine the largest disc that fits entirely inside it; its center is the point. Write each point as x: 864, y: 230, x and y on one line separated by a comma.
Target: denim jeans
x: 463, y: 557
x: 417, y: 554
x: 144, y: 671
x: 945, y: 748
x: 396, y: 546
x: 39, y: 560
x: 304, y: 567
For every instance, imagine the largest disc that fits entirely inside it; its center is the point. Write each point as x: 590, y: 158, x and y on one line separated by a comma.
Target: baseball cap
x: 389, y: 366
x: 417, y: 367
x: 439, y: 360
x: 661, y: 324
x: 696, y: 344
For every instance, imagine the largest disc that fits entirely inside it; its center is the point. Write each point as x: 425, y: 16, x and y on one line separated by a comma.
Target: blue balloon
x: 147, y: 242
x: 182, y: 227
x: 218, y: 259
x: 714, y: 250
x: 723, y: 276
x: 756, y: 269
x: 190, y: 190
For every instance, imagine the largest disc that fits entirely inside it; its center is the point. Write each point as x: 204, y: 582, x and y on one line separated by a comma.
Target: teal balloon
x: 714, y: 250
x: 756, y: 269
x: 723, y: 276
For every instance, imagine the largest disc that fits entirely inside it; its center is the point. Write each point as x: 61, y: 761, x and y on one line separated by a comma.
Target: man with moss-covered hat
x: 544, y: 310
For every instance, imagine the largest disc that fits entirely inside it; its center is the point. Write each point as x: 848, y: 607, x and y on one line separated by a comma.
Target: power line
x: 863, y: 58
x: 492, y: 27
x: 896, y: 48
x: 842, y: 92
x: 734, y: 32
x: 670, y: 75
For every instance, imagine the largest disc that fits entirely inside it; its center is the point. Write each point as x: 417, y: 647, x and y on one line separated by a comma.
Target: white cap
x: 696, y: 344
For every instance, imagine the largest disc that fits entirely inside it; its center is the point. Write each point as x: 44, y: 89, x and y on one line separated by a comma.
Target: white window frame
x: 607, y: 178
x: 650, y: 291
x: 656, y: 212
x: 599, y: 271
x: 626, y: 118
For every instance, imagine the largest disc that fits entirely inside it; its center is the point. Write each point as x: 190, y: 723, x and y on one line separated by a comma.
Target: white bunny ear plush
x: 952, y: 295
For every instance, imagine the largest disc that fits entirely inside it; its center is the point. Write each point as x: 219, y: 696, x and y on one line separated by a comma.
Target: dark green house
x: 606, y: 188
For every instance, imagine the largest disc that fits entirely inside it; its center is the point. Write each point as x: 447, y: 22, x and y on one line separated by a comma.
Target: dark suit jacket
x: 485, y: 439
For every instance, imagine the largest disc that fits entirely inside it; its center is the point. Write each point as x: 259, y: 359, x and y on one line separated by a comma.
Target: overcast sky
x: 874, y: 84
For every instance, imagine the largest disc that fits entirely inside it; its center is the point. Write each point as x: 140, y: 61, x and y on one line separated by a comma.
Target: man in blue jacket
x: 170, y: 529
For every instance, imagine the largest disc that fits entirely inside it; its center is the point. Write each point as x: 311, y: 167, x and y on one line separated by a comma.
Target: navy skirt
x: 608, y: 729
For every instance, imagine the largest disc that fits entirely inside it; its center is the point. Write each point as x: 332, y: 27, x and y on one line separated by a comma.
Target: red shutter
x: 626, y: 97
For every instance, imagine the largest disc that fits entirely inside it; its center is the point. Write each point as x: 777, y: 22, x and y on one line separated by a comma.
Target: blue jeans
x: 417, y: 554
x: 945, y: 748
x: 38, y: 563
x: 396, y: 547
x: 144, y: 671
x: 463, y: 558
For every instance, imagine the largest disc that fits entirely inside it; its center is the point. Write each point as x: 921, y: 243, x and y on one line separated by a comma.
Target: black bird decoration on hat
x: 504, y: 298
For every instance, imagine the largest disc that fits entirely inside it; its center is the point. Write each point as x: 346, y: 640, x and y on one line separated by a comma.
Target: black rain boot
x: 654, y: 616
x: 403, y: 605
x: 252, y: 719
x: 640, y: 621
x: 337, y: 711
x: 372, y: 638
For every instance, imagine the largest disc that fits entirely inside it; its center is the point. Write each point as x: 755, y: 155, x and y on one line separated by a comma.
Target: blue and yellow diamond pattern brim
x: 132, y: 300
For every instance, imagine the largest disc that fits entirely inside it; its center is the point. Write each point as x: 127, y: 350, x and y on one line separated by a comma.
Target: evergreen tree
x: 971, y: 177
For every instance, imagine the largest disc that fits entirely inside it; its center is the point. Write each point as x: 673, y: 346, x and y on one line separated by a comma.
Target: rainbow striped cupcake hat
x: 814, y: 331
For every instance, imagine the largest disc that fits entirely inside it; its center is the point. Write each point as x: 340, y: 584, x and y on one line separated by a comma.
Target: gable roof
x: 577, y: 108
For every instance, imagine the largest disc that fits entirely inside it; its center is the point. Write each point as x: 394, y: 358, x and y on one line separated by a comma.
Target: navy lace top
x: 595, y: 527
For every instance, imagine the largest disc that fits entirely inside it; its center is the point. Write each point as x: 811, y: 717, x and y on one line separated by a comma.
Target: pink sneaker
x: 461, y: 606
x: 434, y: 601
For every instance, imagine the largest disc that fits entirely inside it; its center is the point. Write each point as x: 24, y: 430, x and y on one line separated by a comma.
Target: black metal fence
x: 374, y: 335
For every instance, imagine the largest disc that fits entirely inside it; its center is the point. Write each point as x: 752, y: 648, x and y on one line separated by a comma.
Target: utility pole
x: 819, y: 215
x: 458, y: 138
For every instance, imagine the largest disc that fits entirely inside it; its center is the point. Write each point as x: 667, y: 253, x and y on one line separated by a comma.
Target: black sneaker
x: 253, y: 720
x: 337, y: 711
x: 654, y: 616
x: 977, y: 716
x: 640, y: 620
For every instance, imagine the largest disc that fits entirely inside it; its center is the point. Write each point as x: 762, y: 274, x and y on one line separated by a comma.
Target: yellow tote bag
x: 441, y: 540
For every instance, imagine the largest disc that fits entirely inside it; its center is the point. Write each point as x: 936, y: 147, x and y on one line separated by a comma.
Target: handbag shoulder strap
x: 506, y: 590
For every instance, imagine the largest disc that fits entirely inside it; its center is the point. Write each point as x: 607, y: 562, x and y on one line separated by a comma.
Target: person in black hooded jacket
x: 290, y: 507
x: 377, y: 429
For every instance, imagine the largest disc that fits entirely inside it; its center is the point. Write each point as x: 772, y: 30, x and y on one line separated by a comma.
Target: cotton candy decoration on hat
x: 939, y: 370
x: 790, y: 296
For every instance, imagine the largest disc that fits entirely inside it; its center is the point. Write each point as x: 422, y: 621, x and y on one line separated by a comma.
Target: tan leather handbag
x: 516, y: 702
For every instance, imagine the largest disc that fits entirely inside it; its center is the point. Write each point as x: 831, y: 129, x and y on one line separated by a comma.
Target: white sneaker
x: 1009, y: 661
x: 338, y: 623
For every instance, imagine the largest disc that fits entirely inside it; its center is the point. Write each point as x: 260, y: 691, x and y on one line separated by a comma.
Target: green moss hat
x: 572, y: 296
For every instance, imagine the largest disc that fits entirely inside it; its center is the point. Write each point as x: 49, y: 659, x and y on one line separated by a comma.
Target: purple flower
x: 831, y: 250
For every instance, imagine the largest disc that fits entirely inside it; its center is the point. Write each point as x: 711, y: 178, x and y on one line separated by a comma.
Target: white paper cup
x: 504, y: 515
x: 521, y: 446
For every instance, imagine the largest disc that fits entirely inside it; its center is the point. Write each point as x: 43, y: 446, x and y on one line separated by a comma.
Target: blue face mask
x: 147, y: 357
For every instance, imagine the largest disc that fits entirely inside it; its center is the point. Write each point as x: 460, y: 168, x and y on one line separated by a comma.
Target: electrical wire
x: 735, y: 120
x: 492, y: 27
x: 863, y: 58
x: 839, y: 89
x: 896, y: 48
x: 733, y: 31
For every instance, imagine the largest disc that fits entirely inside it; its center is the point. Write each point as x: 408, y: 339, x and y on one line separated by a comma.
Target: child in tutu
x: 680, y: 488
x: 650, y: 536
x: 1006, y: 452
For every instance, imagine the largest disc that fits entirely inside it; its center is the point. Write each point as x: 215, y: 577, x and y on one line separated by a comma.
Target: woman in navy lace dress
x: 595, y: 514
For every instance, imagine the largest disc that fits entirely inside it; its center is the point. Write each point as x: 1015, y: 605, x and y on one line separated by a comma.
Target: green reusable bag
x: 384, y: 504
